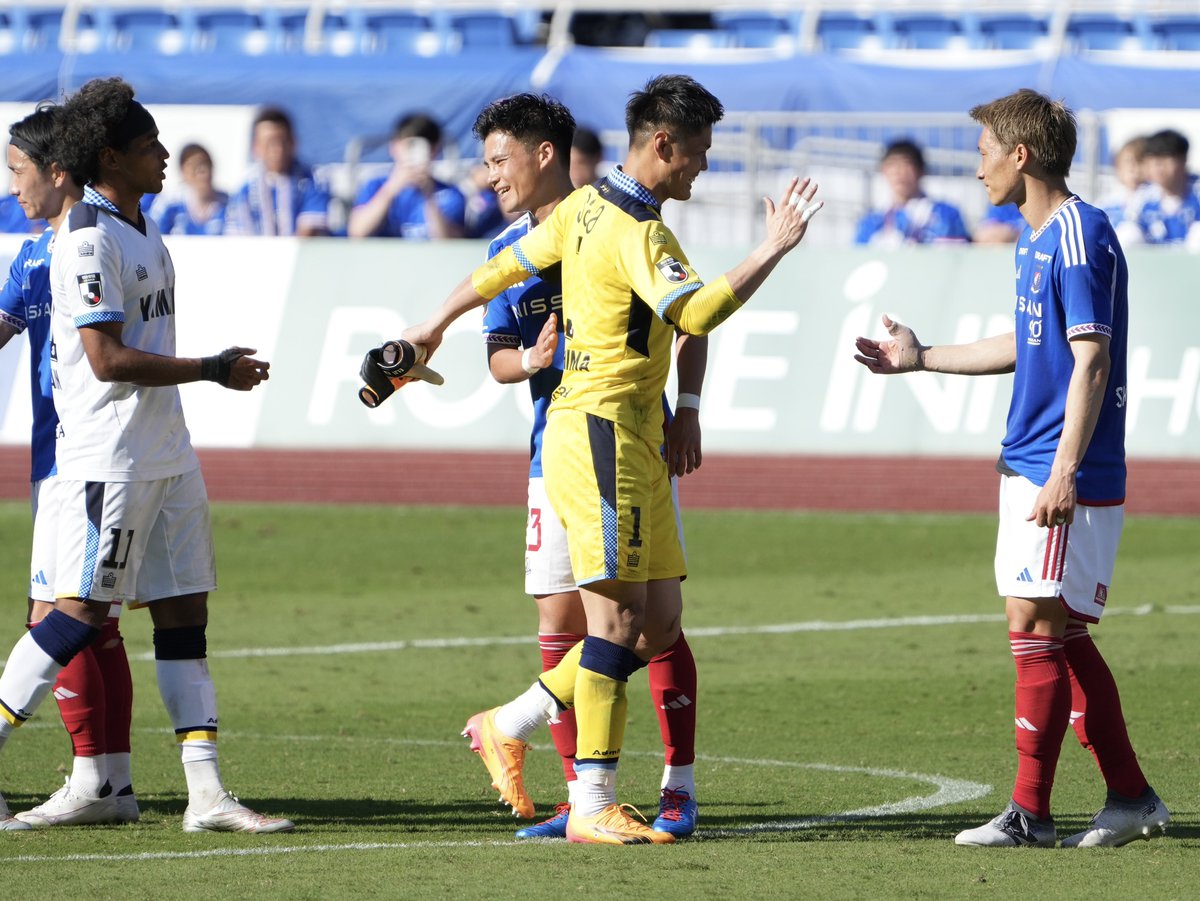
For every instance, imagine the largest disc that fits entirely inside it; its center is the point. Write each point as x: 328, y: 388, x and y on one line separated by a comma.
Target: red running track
x: 1161, y: 487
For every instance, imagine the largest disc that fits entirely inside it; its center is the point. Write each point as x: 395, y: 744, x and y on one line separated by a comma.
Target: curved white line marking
x: 949, y: 791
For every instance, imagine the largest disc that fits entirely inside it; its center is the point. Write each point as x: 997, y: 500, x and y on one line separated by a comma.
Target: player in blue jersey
x: 1062, y: 466
x: 195, y: 207
x: 94, y: 692
x: 527, y: 150
x: 913, y: 217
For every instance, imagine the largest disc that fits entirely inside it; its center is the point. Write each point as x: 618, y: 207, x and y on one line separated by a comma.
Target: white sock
x: 88, y: 775
x: 520, y: 717
x: 572, y: 791
x: 595, y: 789
x: 680, y: 778
x: 202, y: 772
x: 26, y: 679
x: 119, y: 774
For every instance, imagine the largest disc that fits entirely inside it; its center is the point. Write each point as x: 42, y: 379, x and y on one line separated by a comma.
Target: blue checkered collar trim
x: 631, y: 186
x: 95, y: 198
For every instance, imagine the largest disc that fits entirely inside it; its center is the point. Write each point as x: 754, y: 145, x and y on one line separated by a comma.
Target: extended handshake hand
x: 391, y: 366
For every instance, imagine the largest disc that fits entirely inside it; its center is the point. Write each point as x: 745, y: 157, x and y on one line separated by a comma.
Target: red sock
x: 1096, y: 714
x: 554, y: 646
x: 673, y: 688
x: 1043, y: 710
x: 79, y: 691
x: 113, y: 664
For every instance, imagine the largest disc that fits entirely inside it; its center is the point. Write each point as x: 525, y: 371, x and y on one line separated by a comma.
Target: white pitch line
x: 949, y: 791
x: 854, y: 625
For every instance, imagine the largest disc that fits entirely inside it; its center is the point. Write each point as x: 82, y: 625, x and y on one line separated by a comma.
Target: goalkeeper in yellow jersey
x: 627, y: 286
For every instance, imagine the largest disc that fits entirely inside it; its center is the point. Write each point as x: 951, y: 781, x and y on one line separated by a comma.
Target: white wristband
x: 688, y: 402
x: 526, y: 365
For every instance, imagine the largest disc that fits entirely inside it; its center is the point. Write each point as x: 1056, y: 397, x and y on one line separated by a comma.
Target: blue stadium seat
x: 484, y: 30
x: 143, y: 31
x: 396, y: 32
x: 1103, y: 32
x: 1013, y: 32
x: 44, y: 27
x: 927, y: 32
x: 845, y: 31
x: 754, y: 28
x: 12, y: 32
x: 1178, y: 33
x: 230, y: 31
x: 688, y: 38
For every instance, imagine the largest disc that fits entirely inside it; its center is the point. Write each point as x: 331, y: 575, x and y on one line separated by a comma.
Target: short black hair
x: 276, y: 115
x: 676, y: 103
x: 90, y: 121
x: 586, y: 141
x: 190, y: 150
x: 37, y: 135
x: 418, y: 125
x: 531, y: 119
x: 908, y: 149
x: 1167, y: 142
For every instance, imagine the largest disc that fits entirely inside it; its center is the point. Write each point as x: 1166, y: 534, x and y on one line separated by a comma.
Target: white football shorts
x: 547, y: 561
x: 44, y: 501
x: 1073, y: 562
x: 146, y: 540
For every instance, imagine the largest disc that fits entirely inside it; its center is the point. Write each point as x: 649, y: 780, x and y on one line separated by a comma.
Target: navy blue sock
x: 62, y: 637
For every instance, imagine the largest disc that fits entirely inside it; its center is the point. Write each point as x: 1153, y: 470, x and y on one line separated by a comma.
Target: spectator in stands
x: 409, y: 202
x: 1000, y: 225
x: 195, y: 207
x: 586, y: 155
x: 1168, y: 208
x: 1128, y: 165
x: 281, y: 197
x: 912, y: 218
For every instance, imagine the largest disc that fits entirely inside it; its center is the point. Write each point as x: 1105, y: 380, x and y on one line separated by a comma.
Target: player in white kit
x: 133, y: 511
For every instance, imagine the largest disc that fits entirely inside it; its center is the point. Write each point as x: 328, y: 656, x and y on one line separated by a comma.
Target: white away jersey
x: 108, y: 269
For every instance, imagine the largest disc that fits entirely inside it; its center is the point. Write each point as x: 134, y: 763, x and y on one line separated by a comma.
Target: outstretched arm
x: 114, y: 361
x: 904, y: 353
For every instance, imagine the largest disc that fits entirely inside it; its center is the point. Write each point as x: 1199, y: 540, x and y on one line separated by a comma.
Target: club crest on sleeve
x: 673, y: 270
x: 87, y: 249
x: 89, y: 289
x: 141, y: 272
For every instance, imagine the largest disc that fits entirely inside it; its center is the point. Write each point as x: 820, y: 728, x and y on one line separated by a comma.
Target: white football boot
x: 230, y: 815
x: 1121, y: 822
x: 68, y: 808
x: 1014, y: 828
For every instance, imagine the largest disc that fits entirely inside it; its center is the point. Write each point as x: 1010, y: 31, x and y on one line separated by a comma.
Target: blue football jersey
x: 1071, y: 280
x: 25, y: 305
x: 1168, y: 220
x: 515, y: 317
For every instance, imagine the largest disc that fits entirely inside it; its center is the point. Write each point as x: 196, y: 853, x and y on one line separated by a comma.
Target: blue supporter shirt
x: 1071, y: 281
x: 920, y: 221
x: 25, y: 305
x: 406, y: 213
x: 273, y: 204
x: 515, y: 318
x: 175, y: 218
x: 1167, y: 220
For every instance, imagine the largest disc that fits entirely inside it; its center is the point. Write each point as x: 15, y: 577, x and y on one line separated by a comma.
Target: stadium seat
x: 844, y: 31
x: 398, y: 32
x: 143, y: 31
x: 1178, y: 33
x: 754, y: 28
x: 1102, y: 32
x: 1014, y: 32
x: 43, y: 28
x: 230, y: 31
x: 927, y: 32
x: 688, y: 38
x: 484, y: 30
x: 11, y: 32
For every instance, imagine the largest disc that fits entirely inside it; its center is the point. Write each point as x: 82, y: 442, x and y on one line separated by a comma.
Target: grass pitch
x: 855, y: 712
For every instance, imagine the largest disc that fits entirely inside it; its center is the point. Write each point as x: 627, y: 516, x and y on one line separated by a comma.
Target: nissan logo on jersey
x: 89, y: 289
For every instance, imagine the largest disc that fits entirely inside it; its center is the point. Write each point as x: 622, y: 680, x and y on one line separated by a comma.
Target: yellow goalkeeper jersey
x: 621, y: 269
